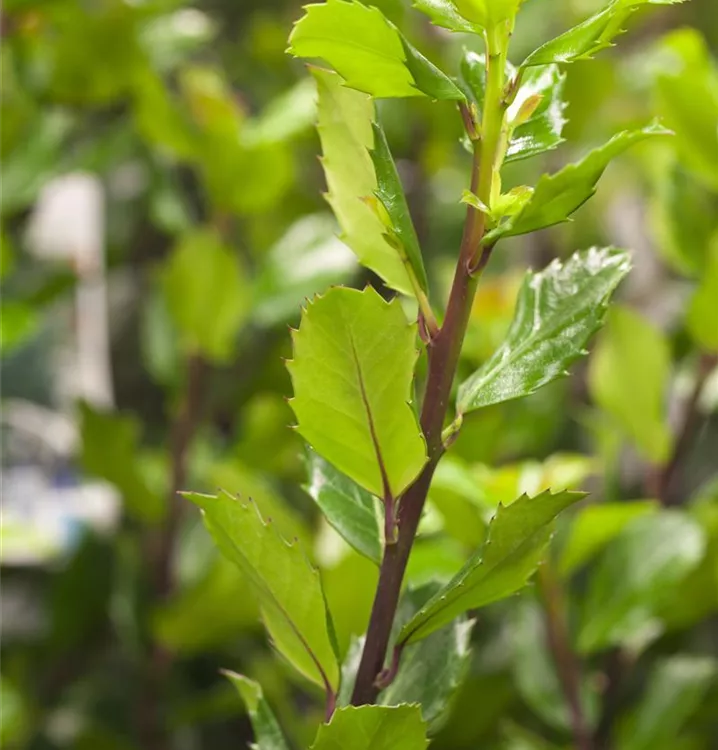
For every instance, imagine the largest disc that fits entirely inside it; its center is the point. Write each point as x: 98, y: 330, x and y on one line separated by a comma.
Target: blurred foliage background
x: 162, y: 222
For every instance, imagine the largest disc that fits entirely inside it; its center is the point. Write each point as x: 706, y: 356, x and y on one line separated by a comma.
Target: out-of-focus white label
x: 68, y: 221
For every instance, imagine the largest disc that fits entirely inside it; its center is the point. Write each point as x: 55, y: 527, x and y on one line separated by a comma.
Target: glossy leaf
x: 557, y: 311
x: 444, y: 13
x: 594, y: 526
x: 430, y: 671
x: 628, y: 377
x: 306, y: 260
x: 352, y: 371
x: 635, y: 574
x: 351, y: 510
x: 516, y: 543
x: 206, y: 294
x: 368, y: 51
x: 391, y: 194
x: 591, y: 36
x: 373, y: 728
x: 675, y: 689
x: 702, y: 316
x: 558, y: 195
x: 267, y: 732
x: 347, y: 137
x: 542, y: 130
x: 288, y: 587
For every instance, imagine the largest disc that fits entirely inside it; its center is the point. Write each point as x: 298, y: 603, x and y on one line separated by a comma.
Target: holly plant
x: 374, y: 371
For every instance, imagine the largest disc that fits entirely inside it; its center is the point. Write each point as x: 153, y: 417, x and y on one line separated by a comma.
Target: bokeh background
x: 162, y: 222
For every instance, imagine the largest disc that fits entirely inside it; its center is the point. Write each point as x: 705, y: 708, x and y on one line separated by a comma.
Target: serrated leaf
x: 351, y: 510
x: 516, y: 542
x: 590, y: 36
x: 558, y: 195
x: 674, y: 691
x: 557, y: 311
x: 593, y: 528
x: 347, y: 137
x: 635, y: 574
x: 542, y: 130
x: 444, y: 13
x: 267, y: 732
x: 628, y: 377
x: 702, y: 314
x: 373, y: 728
x: 368, y: 51
x: 287, y: 586
x: 353, y: 365
x: 391, y: 194
x: 206, y: 294
x: 429, y: 671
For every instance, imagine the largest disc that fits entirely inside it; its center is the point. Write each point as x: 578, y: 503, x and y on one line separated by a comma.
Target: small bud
x: 527, y: 108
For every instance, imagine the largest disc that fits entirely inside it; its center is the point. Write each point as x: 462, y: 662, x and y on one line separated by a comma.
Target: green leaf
x: 111, y: 451
x: 19, y: 323
x: 429, y: 671
x: 288, y: 587
x: 558, y: 195
x: 267, y: 732
x: 206, y: 294
x: 444, y: 13
x: 351, y: 510
x: 591, y: 36
x: 628, y: 377
x: 595, y: 526
x: 488, y: 13
x: 391, y: 194
x: 682, y: 216
x: 368, y: 51
x: 208, y: 613
x: 16, y: 718
x: 306, y: 260
x: 542, y: 130
x: 516, y: 543
x: 35, y: 160
x: 702, y: 315
x: 674, y: 691
x: 373, y: 728
x: 347, y: 137
x: 534, y: 668
x: 557, y: 311
x: 635, y: 574
x: 7, y: 254
x: 352, y: 371
x: 687, y: 99
x: 286, y: 116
